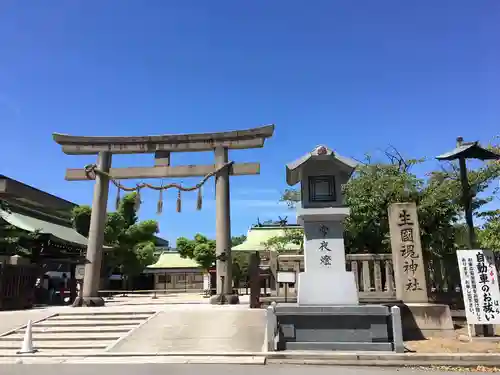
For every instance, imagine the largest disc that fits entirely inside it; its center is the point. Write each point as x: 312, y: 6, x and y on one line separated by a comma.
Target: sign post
x: 480, y: 289
x: 206, y: 284
x: 286, y: 278
x: 80, y: 271
x: 79, y: 275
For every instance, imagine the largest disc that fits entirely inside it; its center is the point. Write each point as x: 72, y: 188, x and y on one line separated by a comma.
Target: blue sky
x: 355, y: 75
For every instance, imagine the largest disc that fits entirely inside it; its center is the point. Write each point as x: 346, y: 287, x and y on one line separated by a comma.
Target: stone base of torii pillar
x: 88, y: 302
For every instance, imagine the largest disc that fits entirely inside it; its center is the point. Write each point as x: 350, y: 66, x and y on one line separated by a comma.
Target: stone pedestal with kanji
x: 325, y: 280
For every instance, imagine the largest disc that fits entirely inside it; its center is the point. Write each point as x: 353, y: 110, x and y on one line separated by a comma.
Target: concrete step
x: 83, y: 329
x: 55, y: 352
x: 104, y: 313
x: 51, y: 336
x: 101, y: 317
x: 53, y: 345
x: 85, y: 323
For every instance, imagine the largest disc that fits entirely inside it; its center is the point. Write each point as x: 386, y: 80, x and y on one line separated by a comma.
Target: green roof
x: 173, y: 260
x: 32, y: 224
x: 257, y: 236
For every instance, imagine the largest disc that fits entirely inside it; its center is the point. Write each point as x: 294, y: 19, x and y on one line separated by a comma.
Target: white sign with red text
x: 480, y: 290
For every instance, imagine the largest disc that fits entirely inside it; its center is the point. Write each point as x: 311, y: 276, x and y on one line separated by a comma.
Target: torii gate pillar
x: 90, y: 293
x: 223, y: 228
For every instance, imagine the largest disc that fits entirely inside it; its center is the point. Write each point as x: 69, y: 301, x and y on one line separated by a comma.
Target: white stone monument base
x: 327, y: 288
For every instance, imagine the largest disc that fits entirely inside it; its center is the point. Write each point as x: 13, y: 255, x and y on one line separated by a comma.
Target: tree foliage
x: 489, y: 233
x: 238, y: 240
x: 240, y: 261
x: 291, y: 236
x: 202, y: 250
x: 375, y: 185
x: 132, y: 241
x: 81, y: 219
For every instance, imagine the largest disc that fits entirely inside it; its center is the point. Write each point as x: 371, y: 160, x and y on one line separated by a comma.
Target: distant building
x: 259, y: 235
x: 257, y: 239
x: 173, y: 273
x: 57, y: 247
x: 31, y: 210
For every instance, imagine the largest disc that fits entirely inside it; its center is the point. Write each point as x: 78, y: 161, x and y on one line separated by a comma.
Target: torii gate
x: 161, y: 146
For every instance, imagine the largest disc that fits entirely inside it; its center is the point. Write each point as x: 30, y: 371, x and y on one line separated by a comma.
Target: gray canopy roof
x: 319, y: 153
x: 470, y: 150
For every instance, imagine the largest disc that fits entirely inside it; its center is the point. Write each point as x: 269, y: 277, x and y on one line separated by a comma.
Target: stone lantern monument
x: 321, y: 174
x: 328, y: 315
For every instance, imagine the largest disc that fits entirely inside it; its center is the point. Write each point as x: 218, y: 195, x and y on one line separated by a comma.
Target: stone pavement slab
x: 10, y: 320
x: 208, y: 329
x: 245, y: 360
x: 159, y: 301
x: 383, y: 359
x: 171, y: 359
x: 197, y: 369
x: 444, y: 360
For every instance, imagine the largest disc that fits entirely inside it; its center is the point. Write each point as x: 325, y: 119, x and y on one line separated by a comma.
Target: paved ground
x: 159, y: 301
x: 185, y: 322
x: 199, y: 328
x: 161, y: 369
x: 10, y: 320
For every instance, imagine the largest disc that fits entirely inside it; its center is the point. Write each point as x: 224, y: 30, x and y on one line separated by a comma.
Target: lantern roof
x: 319, y: 153
x: 469, y: 150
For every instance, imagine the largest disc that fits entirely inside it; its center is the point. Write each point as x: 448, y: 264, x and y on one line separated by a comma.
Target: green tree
x: 81, y: 219
x: 489, y: 234
x: 291, y: 197
x: 290, y: 236
x: 200, y: 249
x: 375, y: 185
x: 480, y: 180
x: 240, y: 261
x: 238, y: 240
x: 368, y: 195
x: 132, y: 241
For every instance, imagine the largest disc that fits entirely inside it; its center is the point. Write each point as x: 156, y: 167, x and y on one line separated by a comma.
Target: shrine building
x: 48, y: 243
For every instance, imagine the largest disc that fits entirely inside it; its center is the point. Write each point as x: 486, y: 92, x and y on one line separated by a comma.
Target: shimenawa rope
x: 92, y: 170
